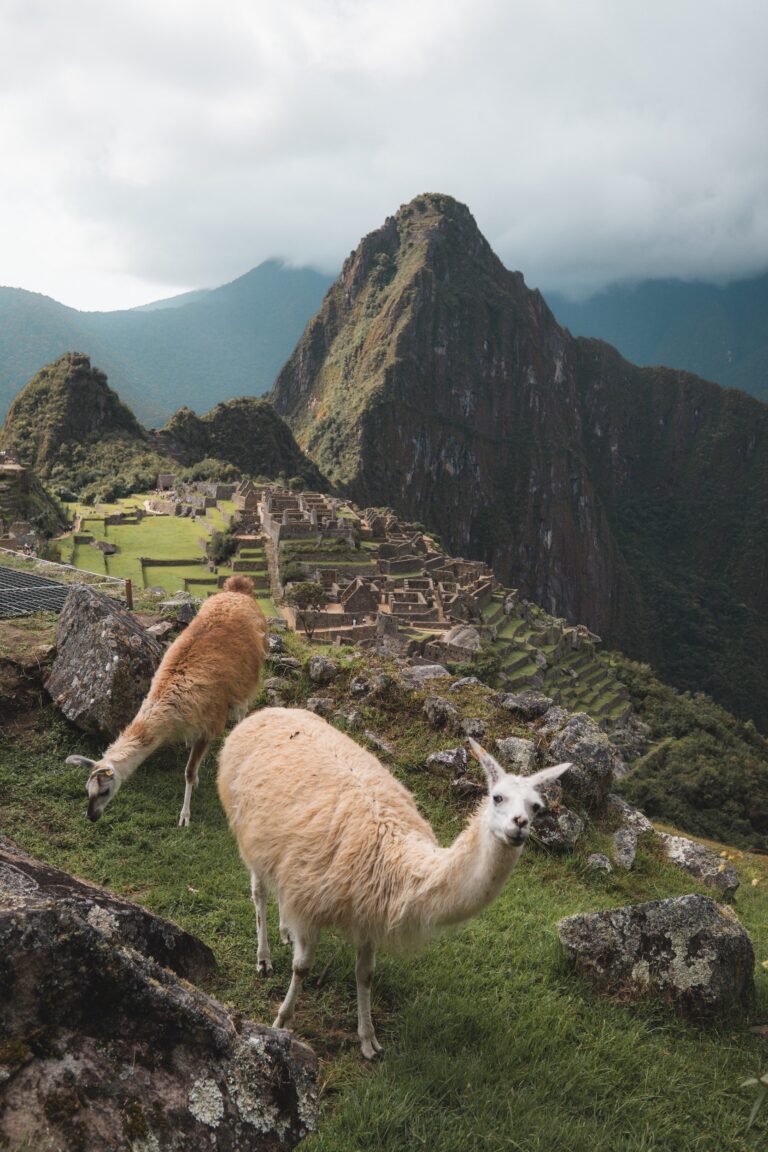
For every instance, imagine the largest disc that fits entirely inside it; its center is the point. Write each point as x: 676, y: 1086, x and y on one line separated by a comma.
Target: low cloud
x: 152, y: 148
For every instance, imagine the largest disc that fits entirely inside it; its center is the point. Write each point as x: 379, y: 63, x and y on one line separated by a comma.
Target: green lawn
x: 490, y: 1042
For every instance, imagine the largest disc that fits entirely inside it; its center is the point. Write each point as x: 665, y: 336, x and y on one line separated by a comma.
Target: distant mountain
x: 632, y: 499
x: 75, y: 432
x: 720, y: 333
x: 195, y: 349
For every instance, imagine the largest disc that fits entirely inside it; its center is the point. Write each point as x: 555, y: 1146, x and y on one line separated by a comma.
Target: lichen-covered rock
x: 583, y: 742
x: 553, y: 720
x: 352, y: 720
x: 106, y: 1049
x: 25, y: 881
x: 358, y: 686
x: 464, y: 636
x: 321, y: 670
x: 624, y: 847
x: 276, y: 644
x: 708, y: 868
x: 616, y: 806
x: 516, y: 754
x: 527, y: 705
x: 454, y: 759
x: 322, y: 705
x: 440, y: 713
x: 473, y: 726
x: 599, y: 862
x: 688, y: 951
x: 557, y: 827
x: 104, y: 664
x: 464, y: 682
x: 285, y: 665
x: 418, y: 675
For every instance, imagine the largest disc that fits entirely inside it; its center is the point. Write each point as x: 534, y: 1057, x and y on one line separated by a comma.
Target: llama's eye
x: 497, y: 798
x: 536, y: 807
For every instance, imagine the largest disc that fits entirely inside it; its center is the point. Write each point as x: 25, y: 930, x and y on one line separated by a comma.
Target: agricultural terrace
x: 162, y: 538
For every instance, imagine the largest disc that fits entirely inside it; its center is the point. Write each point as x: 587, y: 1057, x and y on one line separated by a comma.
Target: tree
x: 308, y: 598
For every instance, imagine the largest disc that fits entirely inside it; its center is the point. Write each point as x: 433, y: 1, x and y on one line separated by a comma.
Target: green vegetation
x: 308, y: 598
x: 490, y: 1042
x: 707, y: 772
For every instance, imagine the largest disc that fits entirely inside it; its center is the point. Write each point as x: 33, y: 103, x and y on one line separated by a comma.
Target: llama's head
x: 103, y: 784
x: 513, y: 801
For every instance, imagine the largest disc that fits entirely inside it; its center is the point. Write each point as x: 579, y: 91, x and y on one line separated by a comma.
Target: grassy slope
x: 490, y: 1042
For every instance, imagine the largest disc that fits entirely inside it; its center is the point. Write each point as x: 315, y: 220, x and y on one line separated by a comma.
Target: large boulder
x: 702, y: 863
x: 103, y: 1047
x: 322, y: 670
x: 440, y: 713
x: 25, y: 881
x: 688, y: 951
x: 558, y: 828
x: 104, y: 664
x: 594, y: 759
x: 527, y: 705
x: 464, y: 636
x: 517, y: 754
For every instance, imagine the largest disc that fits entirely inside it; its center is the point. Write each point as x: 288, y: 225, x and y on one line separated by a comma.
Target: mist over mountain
x: 630, y: 498
x: 195, y: 349
x: 720, y: 333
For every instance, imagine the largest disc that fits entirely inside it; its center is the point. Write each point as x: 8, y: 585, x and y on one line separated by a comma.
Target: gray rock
x: 633, y: 817
x: 557, y: 827
x: 352, y: 720
x: 182, y: 611
x: 598, y: 862
x: 583, y: 742
x: 159, y: 630
x: 467, y: 787
x: 439, y: 712
x: 285, y: 665
x: 553, y: 720
x: 527, y: 705
x: 378, y: 742
x: 464, y: 636
x: 358, y: 686
x: 420, y: 674
x: 708, y: 868
x: 464, y: 682
x: 322, y: 705
x: 25, y: 882
x: 624, y: 847
x: 517, y: 755
x: 473, y: 726
x: 104, y: 664
x: 688, y: 951
x: 455, y: 759
x: 117, y: 1052
x: 275, y: 700
x: 276, y: 644
x: 274, y: 683
x: 321, y: 670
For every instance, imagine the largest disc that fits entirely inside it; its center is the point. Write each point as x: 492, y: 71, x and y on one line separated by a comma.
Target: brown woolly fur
x: 208, y: 675
x: 242, y: 584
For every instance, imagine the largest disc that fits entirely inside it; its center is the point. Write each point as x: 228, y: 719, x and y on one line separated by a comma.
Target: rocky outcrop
x: 103, y: 1047
x: 707, y: 867
x: 594, y: 759
x: 104, y: 664
x: 688, y: 951
x: 25, y: 882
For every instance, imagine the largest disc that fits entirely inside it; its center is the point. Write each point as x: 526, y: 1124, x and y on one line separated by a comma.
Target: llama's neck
x: 465, y: 878
x: 134, y: 744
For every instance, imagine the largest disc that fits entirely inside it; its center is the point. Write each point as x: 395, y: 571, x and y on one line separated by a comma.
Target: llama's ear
x: 546, y: 774
x: 80, y: 761
x: 491, y: 767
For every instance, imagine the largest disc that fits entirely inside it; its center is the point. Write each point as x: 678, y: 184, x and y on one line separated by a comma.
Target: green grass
x: 491, y: 1043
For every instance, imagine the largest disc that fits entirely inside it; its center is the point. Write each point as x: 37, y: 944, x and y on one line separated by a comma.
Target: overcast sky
x: 151, y: 146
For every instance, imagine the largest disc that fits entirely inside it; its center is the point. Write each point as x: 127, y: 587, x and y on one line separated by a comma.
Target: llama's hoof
x: 265, y: 968
x: 184, y: 820
x: 371, y: 1048
x: 278, y: 1024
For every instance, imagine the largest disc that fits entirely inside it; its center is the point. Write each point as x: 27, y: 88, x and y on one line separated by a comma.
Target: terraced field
x: 528, y: 643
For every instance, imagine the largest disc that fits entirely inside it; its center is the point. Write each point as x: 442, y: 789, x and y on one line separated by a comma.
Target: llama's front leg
x: 263, y: 955
x: 366, y: 962
x: 304, y: 945
x: 196, y: 754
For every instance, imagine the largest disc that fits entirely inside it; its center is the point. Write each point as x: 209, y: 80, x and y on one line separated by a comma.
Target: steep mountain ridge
x: 73, y: 429
x: 434, y: 380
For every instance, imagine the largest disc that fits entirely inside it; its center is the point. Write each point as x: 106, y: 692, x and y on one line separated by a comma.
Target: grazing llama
x: 318, y: 819
x: 209, y: 673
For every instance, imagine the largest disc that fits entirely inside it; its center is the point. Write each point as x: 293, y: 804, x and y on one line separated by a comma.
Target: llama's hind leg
x: 304, y: 945
x: 196, y: 753
x: 263, y: 955
x: 366, y: 962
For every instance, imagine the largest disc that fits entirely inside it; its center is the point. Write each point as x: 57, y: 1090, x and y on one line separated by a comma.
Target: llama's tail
x: 242, y: 584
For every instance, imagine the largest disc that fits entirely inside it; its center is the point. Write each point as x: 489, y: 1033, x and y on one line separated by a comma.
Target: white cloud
x: 152, y: 147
